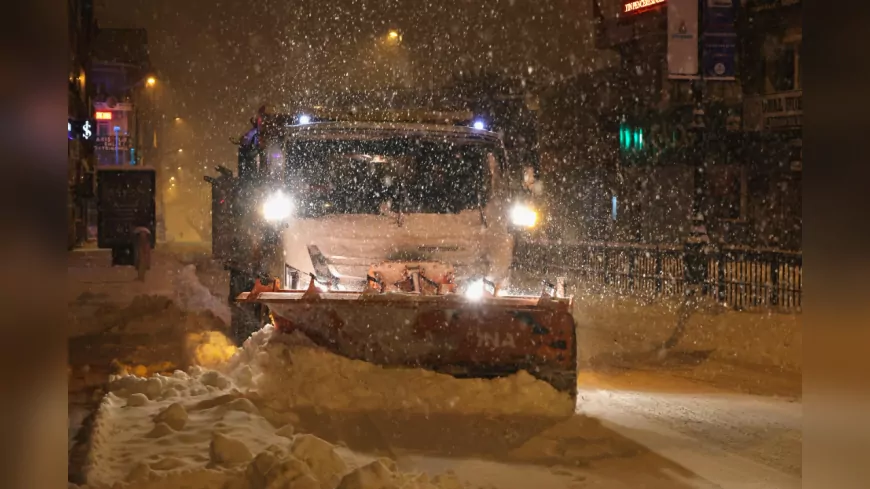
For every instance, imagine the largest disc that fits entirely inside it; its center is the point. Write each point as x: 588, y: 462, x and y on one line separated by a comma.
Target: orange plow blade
x: 486, y: 337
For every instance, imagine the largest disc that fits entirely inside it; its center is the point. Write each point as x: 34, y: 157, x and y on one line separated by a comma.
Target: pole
x: 698, y: 129
x: 137, y: 135
x: 695, y: 246
x: 156, y: 160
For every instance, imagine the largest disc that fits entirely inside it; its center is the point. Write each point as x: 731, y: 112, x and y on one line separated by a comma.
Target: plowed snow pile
x: 290, y: 374
x: 201, y: 430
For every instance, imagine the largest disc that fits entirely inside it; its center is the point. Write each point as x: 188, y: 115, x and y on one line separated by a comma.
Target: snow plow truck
x: 386, y: 236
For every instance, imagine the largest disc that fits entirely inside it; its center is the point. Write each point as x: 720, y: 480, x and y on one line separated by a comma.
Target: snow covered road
x: 649, y: 430
x: 633, y: 428
x: 731, y: 440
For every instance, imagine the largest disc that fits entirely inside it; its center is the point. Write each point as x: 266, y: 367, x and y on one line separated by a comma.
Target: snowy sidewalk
x: 114, y: 319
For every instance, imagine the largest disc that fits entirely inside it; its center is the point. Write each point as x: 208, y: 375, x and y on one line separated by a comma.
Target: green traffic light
x: 630, y: 137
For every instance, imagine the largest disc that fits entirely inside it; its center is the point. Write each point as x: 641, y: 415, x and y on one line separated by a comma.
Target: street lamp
x: 149, y: 81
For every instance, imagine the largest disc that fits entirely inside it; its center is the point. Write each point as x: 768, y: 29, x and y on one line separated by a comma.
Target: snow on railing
x: 741, y: 278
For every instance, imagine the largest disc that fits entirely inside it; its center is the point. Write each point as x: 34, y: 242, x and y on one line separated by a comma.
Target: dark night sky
x: 222, y: 59
x: 233, y: 53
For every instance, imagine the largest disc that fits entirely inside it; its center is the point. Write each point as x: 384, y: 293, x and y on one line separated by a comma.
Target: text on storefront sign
x: 638, y: 6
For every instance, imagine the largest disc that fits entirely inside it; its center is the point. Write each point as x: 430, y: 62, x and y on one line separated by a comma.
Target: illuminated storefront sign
x: 104, y: 115
x: 637, y: 6
x: 119, y: 142
x: 81, y: 130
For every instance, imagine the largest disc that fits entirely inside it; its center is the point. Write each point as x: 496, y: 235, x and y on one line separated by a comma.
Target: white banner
x: 682, y: 38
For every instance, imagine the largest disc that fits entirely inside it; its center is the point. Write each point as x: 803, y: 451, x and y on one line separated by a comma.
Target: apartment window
x: 797, y: 66
x: 782, y: 68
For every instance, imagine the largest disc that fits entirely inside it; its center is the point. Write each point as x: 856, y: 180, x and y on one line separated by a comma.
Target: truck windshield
x: 395, y: 174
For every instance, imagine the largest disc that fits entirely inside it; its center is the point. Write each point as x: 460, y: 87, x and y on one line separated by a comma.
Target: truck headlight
x: 523, y: 216
x: 474, y: 290
x: 277, y: 207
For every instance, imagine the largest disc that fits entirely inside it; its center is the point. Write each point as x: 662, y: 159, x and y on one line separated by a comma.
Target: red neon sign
x: 104, y: 115
x: 638, y: 6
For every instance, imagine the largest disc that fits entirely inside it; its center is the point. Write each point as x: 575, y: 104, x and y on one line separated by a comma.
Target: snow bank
x: 200, y: 429
x: 97, y: 289
x: 193, y: 296
x: 292, y: 374
x: 622, y: 327
x: 157, y: 333
x: 191, y: 307
x: 149, y: 314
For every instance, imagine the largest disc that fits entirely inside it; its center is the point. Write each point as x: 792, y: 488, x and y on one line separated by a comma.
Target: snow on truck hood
x: 446, y: 231
x: 352, y: 243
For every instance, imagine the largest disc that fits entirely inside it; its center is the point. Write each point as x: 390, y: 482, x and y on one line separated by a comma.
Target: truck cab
x: 323, y: 198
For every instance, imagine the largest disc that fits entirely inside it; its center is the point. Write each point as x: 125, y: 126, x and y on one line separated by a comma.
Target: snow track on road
x: 732, y: 440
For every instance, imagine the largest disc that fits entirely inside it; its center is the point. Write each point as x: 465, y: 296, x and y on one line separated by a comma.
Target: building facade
x: 122, y: 80
x: 718, y: 90
x: 124, y: 100
x: 109, y: 116
x: 80, y: 158
x: 773, y: 111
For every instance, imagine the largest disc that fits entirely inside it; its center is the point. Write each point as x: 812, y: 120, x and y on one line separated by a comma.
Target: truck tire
x: 245, y: 318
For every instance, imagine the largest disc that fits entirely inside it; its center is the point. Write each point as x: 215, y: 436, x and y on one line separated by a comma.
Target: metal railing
x: 739, y: 278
